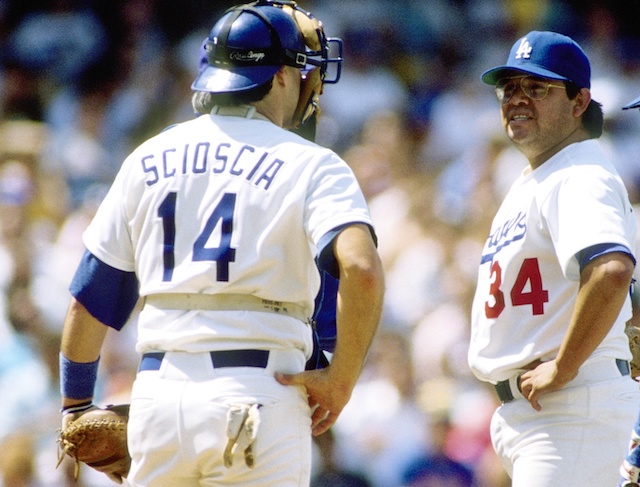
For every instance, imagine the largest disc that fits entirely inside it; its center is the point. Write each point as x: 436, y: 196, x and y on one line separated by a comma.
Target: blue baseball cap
x: 545, y: 54
x: 634, y: 104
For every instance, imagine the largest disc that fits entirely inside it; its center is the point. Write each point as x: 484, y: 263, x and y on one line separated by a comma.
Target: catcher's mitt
x: 633, y: 333
x: 98, y: 437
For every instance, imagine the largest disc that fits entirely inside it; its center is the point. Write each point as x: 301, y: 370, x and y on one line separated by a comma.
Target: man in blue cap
x: 552, y: 297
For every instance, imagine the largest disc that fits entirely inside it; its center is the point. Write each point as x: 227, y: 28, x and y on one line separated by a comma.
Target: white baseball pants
x: 580, y: 436
x: 178, y: 424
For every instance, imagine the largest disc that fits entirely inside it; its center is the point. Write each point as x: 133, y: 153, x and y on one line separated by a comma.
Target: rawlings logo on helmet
x: 247, y: 56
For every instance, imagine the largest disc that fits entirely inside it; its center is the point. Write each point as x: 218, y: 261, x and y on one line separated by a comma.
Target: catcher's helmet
x: 248, y: 45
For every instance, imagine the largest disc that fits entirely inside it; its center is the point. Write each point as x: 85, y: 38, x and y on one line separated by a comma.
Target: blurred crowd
x: 84, y: 82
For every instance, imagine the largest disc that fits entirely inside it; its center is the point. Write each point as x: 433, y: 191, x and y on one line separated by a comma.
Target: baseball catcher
x: 219, y: 226
x: 97, y: 437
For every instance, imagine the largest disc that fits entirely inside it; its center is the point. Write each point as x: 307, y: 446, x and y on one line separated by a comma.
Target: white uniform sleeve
x: 334, y: 198
x: 109, y: 230
x: 589, y: 208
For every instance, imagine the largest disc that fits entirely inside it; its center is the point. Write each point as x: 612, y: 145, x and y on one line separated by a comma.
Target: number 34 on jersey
x: 527, y: 290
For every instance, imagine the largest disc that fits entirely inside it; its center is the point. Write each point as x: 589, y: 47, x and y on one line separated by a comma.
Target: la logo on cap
x: 547, y: 55
x: 524, y: 49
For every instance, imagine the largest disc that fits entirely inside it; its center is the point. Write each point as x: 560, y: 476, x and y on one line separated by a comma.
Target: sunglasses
x: 533, y: 88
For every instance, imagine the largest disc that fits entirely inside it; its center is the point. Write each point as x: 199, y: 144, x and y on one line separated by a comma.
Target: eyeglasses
x: 534, y: 88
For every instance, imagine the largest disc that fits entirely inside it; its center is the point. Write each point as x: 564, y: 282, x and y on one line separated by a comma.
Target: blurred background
x: 83, y: 82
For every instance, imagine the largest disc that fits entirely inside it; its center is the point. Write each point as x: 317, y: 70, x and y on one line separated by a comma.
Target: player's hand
x: 543, y: 379
x: 327, y: 397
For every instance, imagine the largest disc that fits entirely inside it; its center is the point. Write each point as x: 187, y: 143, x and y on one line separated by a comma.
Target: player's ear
x: 281, y: 74
x: 581, y: 102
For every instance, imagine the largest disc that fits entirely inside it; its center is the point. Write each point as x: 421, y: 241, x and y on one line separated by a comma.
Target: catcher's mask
x: 250, y: 43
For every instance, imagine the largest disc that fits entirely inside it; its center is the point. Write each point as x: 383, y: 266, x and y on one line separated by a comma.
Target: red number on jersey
x: 494, y: 310
x: 535, y: 296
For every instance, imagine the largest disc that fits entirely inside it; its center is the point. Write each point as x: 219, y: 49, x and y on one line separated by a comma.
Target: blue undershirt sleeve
x: 324, y: 315
x: 109, y: 294
x: 587, y: 255
x: 325, y: 259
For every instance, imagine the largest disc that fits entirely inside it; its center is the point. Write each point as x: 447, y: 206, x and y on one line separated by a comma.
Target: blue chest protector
x: 324, y: 321
x: 324, y: 314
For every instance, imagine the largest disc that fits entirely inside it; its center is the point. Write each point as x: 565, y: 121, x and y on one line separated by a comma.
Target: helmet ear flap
x: 311, y: 86
x: 309, y: 100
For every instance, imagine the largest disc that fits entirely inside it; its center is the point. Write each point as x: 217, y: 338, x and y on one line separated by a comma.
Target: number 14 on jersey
x: 222, y: 255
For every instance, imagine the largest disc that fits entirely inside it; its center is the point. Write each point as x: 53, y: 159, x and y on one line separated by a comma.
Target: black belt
x: 506, y: 395
x: 220, y: 359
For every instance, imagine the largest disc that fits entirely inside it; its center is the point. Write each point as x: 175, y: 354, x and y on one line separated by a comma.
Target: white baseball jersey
x: 224, y: 205
x: 529, y: 275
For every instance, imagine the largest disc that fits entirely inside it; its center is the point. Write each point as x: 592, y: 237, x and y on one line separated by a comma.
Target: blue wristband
x: 77, y: 380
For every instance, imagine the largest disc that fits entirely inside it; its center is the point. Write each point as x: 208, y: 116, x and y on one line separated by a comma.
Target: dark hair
x: 203, y: 102
x: 593, y: 117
